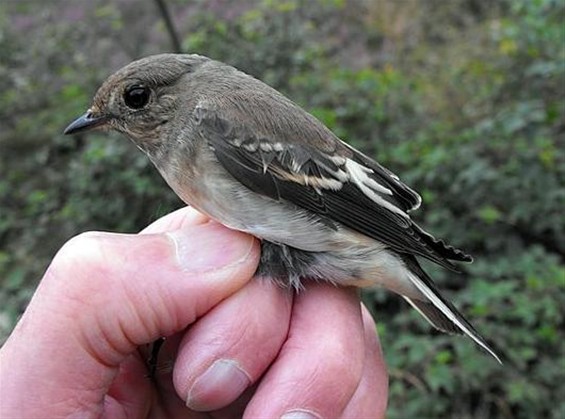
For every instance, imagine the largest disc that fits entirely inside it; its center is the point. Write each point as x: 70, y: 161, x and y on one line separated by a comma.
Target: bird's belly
x: 215, y: 193
x: 333, y: 253
x: 277, y: 222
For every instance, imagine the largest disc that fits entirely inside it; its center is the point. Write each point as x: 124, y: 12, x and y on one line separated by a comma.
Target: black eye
x: 136, y: 96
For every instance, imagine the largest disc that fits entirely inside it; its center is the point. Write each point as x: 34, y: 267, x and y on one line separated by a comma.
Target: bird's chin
x: 148, y: 144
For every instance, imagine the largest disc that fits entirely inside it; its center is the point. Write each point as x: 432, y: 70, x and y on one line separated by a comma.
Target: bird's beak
x: 84, y: 123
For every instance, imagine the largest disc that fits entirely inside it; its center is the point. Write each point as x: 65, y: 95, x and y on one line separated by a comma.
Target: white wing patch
x: 416, y: 196
x: 317, y: 183
x: 358, y: 174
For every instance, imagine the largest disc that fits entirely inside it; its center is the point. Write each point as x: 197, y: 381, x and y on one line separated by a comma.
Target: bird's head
x: 141, y: 99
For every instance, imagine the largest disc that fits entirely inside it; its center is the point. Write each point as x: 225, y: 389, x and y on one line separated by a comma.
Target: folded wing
x: 336, y: 182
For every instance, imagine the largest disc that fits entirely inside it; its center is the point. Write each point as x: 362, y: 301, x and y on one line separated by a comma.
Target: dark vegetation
x: 463, y: 98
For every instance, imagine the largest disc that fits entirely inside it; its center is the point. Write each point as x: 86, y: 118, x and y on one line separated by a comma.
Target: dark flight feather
x: 268, y: 171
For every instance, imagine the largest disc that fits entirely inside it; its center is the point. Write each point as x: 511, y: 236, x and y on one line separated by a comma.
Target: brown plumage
x: 248, y: 157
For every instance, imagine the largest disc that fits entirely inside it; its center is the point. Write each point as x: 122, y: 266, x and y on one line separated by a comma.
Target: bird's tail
x: 437, y: 310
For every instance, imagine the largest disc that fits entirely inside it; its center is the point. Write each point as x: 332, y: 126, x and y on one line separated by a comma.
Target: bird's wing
x: 335, y: 181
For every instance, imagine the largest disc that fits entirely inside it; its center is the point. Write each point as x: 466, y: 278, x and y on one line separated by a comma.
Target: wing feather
x: 338, y: 187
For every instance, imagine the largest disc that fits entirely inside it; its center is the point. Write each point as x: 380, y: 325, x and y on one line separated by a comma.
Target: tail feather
x: 434, y: 316
x: 438, y: 311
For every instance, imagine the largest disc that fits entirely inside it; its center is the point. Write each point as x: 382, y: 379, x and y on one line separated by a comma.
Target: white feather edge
x: 424, y: 315
x: 370, y: 187
x: 392, y: 175
x: 430, y: 295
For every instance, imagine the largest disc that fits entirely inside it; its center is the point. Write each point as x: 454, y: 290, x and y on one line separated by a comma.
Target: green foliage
x: 463, y: 100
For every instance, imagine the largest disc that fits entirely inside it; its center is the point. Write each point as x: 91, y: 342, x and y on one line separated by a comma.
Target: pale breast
x: 205, y: 185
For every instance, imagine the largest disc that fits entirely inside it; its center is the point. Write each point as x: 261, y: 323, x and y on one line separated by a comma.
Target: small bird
x: 248, y: 157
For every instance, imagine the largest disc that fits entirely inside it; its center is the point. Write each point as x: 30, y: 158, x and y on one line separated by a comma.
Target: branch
x: 173, y: 35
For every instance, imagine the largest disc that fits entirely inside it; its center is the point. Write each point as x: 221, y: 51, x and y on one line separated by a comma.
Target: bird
x: 249, y: 158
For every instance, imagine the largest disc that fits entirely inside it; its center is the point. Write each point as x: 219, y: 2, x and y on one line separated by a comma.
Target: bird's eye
x: 136, y: 96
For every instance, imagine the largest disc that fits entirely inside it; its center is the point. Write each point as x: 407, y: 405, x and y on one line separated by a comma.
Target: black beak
x: 84, y: 123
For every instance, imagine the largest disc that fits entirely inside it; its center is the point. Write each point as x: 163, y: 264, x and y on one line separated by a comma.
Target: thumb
x: 105, y: 294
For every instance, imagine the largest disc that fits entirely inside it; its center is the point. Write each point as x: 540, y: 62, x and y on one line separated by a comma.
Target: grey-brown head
x: 141, y: 99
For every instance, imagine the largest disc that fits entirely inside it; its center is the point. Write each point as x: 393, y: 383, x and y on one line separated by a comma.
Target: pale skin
x: 236, y: 346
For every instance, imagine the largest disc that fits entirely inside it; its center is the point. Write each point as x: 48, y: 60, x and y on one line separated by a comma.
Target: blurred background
x: 463, y: 98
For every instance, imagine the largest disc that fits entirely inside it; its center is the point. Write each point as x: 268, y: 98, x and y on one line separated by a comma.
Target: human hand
x: 239, y: 347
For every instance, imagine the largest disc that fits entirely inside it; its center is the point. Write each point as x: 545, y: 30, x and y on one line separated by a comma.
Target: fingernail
x: 221, y: 384
x: 299, y: 414
x: 210, y: 246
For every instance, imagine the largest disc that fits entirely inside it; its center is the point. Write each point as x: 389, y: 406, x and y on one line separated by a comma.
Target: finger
x: 105, y: 294
x: 231, y: 347
x: 125, y: 395
x: 370, y: 398
x: 176, y: 220
x: 320, y: 364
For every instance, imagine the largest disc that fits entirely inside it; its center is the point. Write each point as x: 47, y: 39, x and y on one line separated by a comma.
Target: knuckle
x: 77, y: 275
x: 79, y: 253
